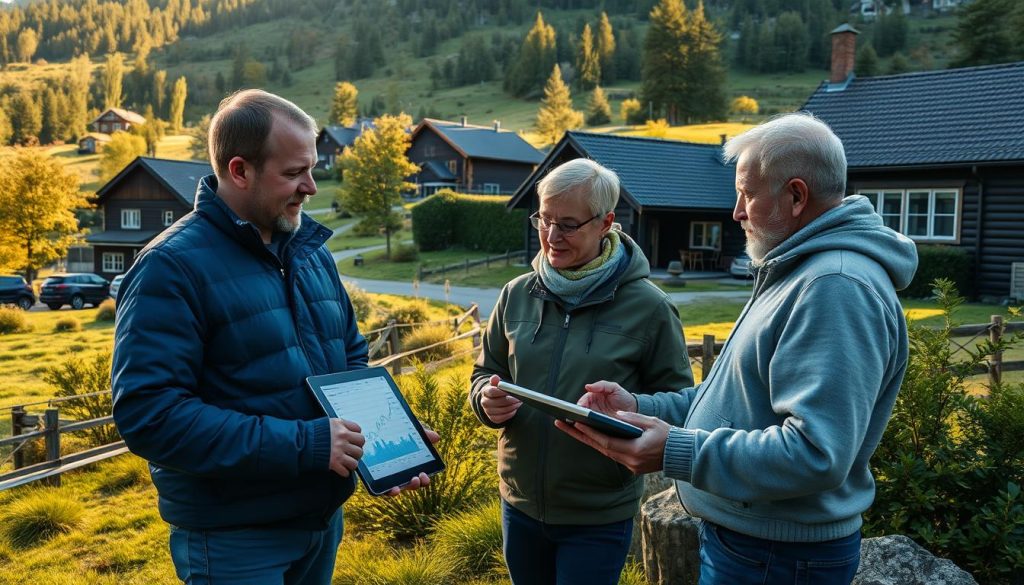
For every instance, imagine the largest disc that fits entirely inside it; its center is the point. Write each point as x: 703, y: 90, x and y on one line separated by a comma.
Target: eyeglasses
x: 567, y: 229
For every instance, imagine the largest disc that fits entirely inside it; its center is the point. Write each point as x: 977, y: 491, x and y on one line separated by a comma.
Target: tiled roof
x: 127, y: 115
x: 179, y: 176
x: 663, y: 173
x: 969, y: 115
x: 485, y: 142
x: 343, y: 135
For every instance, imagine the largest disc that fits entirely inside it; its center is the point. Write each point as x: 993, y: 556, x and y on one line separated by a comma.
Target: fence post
x: 475, y: 311
x: 52, y: 439
x: 995, y: 366
x: 396, y: 347
x: 16, y: 413
x: 707, y: 357
x: 467, y: 265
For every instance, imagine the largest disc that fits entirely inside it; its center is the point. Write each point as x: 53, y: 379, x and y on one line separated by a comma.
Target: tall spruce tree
x: 665, y: 60
x: 588, y: 61
x: 556, y: 115
x: 705, y: 74
x: 344, y: 105
x: 536, y: 57
x: 26, y: 118
x: 599, y: 111
x: 982, y: 34
x: 604, y: 42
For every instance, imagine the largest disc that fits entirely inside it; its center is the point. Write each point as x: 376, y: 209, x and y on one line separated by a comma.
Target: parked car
x: 76, y: 290
x: 115, y: 285
x: 15, y: 291
x: 740, y: 267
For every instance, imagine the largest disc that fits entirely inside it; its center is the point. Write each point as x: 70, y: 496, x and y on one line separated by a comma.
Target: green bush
x: 87, y: 380
x: 466, y: 448
x: 321, y: 174
x: 361, y: 302
x: 935, y: 262
x: 633, y: 574
x: 472, y: 540
x: 40, y: 516
x: 478, y: 222
x: 66, y: 324
x: 429, y: 335
x: 374, y: 563
x: 414, y: 311
x: 13, y: 321
x: 106, y: 311
x: 122, y: 473
x: 404, y: 253
x: 950, y: 466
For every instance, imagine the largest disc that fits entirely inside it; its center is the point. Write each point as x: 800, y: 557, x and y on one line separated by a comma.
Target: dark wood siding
x: 141, y: 191
x: 509, y: 175
x: 129, y: 253
x: 674, y: 235
x: 991, y: 224
x: 429, y: 146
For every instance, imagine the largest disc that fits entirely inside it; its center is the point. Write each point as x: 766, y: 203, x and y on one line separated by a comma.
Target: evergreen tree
x: 556, y: 115
x: 199, y: 148
x: 982, y: 34
x: 665, y: 59
x: 792, y: 42
x: 49, y: 128
x: 344, y: 106
x: 588, y: 61
x: 898, y: 64
x: 113, y: 81
x: 631, y: 111
x: 26, y: 118
x: 374, y: 171
x: 536, y: 57
x: 178, y: 96
x: 5, y: 126
x: 704, y: 89
x: 598, y: 110
x: 604, y: 41
x: 867, y: 61
x: 38, y: 196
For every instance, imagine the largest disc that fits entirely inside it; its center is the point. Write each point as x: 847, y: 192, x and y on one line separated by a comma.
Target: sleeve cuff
x: 645, y: 404
x: 678, y: 460
x: 318, y: 458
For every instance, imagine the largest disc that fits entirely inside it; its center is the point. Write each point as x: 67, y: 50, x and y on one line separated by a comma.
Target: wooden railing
x: 467, y: 264
x: 994, y: 329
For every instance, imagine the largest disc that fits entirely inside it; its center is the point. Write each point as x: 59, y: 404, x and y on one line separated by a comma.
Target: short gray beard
x: 761, y: 241
x: 282, y: 224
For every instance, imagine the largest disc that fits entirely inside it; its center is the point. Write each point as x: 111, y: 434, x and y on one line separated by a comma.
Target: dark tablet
x: 573, y: 412
x: 397, y: 448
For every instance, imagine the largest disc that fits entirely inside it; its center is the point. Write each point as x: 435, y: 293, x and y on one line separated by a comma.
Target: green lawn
x: 703, y: 286
x: 376, y: 267
x: 350, y: 241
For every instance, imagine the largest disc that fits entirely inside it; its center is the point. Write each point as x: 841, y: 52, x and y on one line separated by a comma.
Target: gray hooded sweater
x: 775, y: 442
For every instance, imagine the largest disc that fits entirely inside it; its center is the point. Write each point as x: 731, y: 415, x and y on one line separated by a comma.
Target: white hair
x: 795, y: 145
x: 585, y: 179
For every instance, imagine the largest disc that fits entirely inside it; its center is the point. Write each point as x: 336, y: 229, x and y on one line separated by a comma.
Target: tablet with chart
x: 396, y: 447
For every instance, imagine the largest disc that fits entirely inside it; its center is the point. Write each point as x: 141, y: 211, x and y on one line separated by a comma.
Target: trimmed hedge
x: 935, y: 262
x: 476, y: 222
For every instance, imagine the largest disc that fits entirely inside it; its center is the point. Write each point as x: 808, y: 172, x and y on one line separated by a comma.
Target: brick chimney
x: 844, y: 51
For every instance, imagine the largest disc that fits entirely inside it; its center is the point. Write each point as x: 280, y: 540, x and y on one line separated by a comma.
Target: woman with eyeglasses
x: 587, y: 312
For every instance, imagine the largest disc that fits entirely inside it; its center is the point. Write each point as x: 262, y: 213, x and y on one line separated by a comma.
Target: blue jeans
x: 730, y: 558
x: 256, y: 556
x: 563, y: 554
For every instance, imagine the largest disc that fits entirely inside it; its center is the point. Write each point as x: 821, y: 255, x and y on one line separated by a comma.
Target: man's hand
x: 644, y: 454
x: 346, y: 446
x: 498, y: 405
x: 607, y: 398
x: 421, y: 480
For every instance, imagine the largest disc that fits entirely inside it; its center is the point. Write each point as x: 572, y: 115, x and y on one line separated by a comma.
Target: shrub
x: 479, y: 222
x: 124, y: 472
x: 466, y: 448
x: 950, y: 466
x: 322, y: 174
x: 404, y: 253
x: 87, y: 378
x: 656, y: 128
x: 40, y: 516
x: 411, y: 312
x: 361, y: 302
x: 66, y: 324
x: 631, y: 111
x: 633, y: 574
x: 366, y: 229
x: 472, y: 539
x: 429, y: 335
x: 13, y: 321
x: 935, y: 262
x: 106, y: 311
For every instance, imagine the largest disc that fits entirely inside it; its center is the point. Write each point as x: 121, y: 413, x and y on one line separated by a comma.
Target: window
x: 922, y: 214
x: 113, y: 262
x: 131, y: 219
x: 453, y: 167
x: 492, y: 189
x: 705, y: 235
x: 168, y: 217
x: 117, y: 126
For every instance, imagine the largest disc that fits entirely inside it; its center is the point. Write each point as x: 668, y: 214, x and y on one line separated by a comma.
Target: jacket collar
x: 309, y: 237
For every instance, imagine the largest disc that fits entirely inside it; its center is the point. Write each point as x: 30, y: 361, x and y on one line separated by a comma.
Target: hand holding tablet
x: 562, y: 410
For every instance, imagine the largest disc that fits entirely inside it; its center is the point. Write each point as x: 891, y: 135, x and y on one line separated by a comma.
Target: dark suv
x: 15, y: 291
x: 73, y: 289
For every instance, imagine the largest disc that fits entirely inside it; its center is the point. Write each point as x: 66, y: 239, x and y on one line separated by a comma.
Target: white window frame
x: 453, y: 166
x: 492, y: 189
x: 168, y: 217
x: 131, y: 219
x: 113, y: 262
x: 708, y: 228
x: 876, y: 196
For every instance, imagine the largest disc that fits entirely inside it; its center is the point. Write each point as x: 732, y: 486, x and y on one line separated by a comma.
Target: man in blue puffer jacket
x: 219, y: 322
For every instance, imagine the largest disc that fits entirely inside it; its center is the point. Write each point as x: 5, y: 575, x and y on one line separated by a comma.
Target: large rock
x: 897, y: 560
x: 654, y: 483
x: 671, y: 542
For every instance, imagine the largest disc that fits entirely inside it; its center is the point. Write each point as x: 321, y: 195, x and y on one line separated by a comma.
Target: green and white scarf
x: 573, y: 286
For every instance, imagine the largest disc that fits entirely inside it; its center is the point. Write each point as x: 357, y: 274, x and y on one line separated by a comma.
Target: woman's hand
x: 607, y: 398
x: 497, y: 404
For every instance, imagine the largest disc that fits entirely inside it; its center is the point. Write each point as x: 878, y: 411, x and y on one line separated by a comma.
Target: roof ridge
x: 951, y: 71
x: 645, y: 138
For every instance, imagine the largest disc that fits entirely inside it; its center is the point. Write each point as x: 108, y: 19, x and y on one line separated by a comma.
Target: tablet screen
x: 392, y: 442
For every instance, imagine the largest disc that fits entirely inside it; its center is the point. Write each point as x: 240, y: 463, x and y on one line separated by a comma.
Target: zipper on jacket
x: 556, y: 364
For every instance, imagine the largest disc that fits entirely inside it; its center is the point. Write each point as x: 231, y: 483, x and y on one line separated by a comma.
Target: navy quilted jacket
x: 214, y: 339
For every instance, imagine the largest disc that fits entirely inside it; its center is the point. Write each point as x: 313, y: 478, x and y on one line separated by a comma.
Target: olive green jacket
x: 627, y: 331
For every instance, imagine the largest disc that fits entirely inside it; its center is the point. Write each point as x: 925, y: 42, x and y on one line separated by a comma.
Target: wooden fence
x: 467, y: 264
x: 49, y: 427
